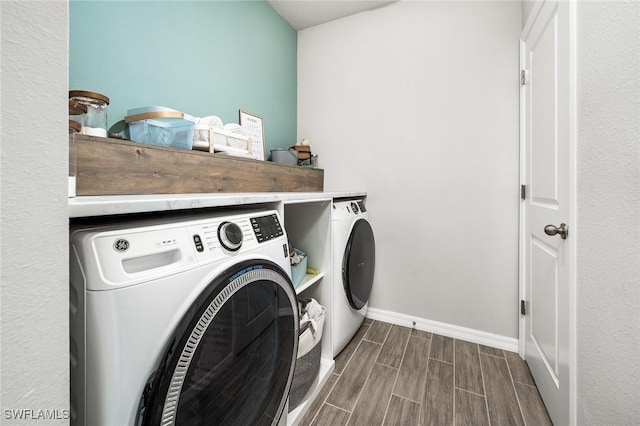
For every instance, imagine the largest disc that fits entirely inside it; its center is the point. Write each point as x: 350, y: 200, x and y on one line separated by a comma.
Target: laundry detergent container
x: 162, y: 126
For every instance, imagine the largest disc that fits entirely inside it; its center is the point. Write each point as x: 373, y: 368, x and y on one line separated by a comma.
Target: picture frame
x: 254, y: 126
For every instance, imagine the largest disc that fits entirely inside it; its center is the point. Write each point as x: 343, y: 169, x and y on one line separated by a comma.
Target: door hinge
x: 523, y: 77
x: 523, y: 192
x: 523, y: 308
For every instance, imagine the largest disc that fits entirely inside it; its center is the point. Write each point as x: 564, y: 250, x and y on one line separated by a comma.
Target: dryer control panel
x: 348, y: 208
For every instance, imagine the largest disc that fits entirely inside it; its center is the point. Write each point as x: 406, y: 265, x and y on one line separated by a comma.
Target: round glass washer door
x: 231, y: 358
x: 358, y: 264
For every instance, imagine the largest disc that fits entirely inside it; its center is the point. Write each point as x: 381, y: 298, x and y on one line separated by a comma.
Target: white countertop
x: 86, y: 206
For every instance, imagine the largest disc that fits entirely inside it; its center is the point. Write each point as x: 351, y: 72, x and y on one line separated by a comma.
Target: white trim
x: 535, y: 10
x: 573, y: 192
x: 450, y: 330
x: 521, y: 224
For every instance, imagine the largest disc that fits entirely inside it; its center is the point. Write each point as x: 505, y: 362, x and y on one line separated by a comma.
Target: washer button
x: 198, y: 242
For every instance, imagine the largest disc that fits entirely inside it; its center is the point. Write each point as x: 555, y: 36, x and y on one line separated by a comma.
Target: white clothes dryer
x: 187, y: 320
x: 354, y: 254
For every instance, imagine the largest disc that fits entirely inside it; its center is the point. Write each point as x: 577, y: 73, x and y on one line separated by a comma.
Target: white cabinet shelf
x: 308, y: 226
x: 308, y: 281
x: 105, y: 205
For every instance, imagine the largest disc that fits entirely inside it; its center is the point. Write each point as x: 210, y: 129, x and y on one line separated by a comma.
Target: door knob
x: 553, y: 230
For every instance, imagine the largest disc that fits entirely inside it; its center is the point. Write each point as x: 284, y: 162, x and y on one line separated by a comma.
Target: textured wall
x: 33, y: 211
x: 608, y: 231
x: 201, y: 57
x: 417, y: 103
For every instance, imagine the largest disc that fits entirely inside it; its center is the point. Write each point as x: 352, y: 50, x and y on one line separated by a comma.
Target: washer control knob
x: 354, y: 208
x: 230, y: 236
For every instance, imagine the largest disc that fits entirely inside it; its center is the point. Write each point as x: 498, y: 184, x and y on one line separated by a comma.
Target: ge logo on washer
x: 121, y: 245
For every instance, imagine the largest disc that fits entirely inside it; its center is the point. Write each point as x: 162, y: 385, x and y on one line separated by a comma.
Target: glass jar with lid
x: 77, y: 112
x: 74, y: 129
x: 95, y: 120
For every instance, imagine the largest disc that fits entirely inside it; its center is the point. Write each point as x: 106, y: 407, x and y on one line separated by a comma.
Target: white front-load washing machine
x: 354, y: 264
x: 187, y: 320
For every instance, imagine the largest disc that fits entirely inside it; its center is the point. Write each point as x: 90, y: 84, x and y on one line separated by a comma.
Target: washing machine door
x: 231, y: 359
x: 358, y: 264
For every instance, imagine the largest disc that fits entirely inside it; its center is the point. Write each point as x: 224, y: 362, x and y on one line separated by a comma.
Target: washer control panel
x: 136, y: 252
x: 230, y: 236
x: 266, y: 227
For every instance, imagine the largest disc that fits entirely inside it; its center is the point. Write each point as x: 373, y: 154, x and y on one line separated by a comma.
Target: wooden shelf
x: 308, y: 281
x: 106, y: 166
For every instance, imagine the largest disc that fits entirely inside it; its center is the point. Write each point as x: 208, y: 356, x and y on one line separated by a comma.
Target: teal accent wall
x: 200, y: 57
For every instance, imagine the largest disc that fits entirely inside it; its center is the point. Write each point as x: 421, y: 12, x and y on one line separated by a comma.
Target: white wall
x: 417, y: 103
x: 608, y: 231
x: 527, y: 7
x: 33, y: 177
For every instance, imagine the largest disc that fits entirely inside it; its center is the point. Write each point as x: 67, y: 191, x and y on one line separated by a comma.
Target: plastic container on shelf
x: 95, y: 120
x: 162, y: 126
x: 299, y: 271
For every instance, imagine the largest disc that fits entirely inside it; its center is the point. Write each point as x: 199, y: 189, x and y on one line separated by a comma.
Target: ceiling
x: 301, y: 14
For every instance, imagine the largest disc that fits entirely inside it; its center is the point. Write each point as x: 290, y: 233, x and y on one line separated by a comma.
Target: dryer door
x: 358, y: 264
x: 231, y: 359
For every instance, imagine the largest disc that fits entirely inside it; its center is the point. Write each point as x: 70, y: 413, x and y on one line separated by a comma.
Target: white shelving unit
x: 105, y: 205
x: 308, y: 281
x: 308, y: 226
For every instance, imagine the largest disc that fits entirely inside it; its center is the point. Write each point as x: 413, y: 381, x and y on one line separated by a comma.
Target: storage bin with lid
x: 95, y: 121
x: 162, y: 126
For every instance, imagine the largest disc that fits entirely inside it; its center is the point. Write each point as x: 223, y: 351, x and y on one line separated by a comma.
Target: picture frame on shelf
x: 254, y: 126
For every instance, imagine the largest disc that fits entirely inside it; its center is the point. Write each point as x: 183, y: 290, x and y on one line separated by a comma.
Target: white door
x: 546, y: 120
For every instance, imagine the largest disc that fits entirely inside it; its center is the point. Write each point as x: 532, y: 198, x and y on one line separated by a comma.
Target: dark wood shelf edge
x: 107, y: 166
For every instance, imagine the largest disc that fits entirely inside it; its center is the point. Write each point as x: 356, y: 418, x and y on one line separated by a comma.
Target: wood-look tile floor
x: 392, y: 375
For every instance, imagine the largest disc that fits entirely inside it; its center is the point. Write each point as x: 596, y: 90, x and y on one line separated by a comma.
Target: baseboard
x: 455, y: 331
